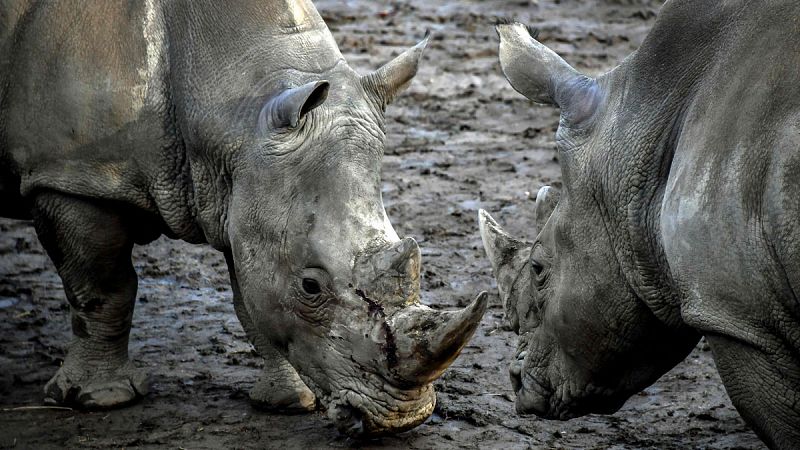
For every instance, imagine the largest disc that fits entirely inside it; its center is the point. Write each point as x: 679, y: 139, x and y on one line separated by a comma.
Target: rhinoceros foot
x: 282, y: 391
x: 92, y: 387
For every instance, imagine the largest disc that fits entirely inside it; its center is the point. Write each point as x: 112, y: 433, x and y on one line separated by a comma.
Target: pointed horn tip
x: 498, y: 21
x: 423, y: 44
x: 487, y: 225
x: 480, y: 304
x: 503, y: 23
x: 507, y: 26
x: 543, y: 192
x: 472, y: 314
x: 485, y: 218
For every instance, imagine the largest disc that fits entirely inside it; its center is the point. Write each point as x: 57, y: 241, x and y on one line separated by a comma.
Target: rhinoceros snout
x: 347, y: 419
x: 380, y: 413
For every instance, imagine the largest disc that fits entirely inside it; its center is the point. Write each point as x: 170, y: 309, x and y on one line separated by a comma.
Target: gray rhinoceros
x: 679, y: 217
x: 237, y: 124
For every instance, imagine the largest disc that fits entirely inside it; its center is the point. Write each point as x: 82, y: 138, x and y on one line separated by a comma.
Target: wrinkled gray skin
x: 679, y: 217
x: 238, y: 124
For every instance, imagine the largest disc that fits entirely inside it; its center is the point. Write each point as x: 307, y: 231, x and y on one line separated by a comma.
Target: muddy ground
x: 459, y: 140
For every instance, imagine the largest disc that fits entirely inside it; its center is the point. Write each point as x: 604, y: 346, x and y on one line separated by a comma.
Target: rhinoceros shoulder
x: 83, y: 100
x: 730, y: 217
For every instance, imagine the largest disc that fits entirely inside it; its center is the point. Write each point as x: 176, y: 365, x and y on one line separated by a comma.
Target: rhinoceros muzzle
x: 385, y: 411
x: 416, y: 343
x: 421, y: 342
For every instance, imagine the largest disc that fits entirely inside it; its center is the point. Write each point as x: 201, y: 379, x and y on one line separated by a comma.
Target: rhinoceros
x: 237, y: 124
x: 679, y: 217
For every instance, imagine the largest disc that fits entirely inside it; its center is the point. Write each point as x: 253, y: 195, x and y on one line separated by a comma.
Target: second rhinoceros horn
x: 546, y: 202
x: 510, y: 258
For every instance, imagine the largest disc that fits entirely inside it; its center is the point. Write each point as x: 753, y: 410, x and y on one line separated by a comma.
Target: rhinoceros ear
x: 539, y: 73
x: 386, y: 83
x: 286, y: 109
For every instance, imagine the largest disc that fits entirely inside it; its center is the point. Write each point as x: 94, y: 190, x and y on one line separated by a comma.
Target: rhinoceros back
x: 238, y: 53
x: 102, y: 99
x: 79, y: 98
x: 733, y: 185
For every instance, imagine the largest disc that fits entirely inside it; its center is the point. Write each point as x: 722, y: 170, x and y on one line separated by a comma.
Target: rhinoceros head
x: 322, y: 273
x: 587, y: 341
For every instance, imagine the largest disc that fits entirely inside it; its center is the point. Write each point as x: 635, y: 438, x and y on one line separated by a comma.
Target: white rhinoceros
x: 237, y: 124
x: 679, y: 217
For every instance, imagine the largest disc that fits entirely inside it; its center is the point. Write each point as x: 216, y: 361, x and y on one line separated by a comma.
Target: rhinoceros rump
x: 678, y: 217
x: 238, y: 124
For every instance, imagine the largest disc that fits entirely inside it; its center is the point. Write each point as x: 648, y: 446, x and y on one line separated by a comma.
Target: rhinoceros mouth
x: 375, y: 406
x: 535, y: 393
x: 532, y: 395
x: 393, y: 411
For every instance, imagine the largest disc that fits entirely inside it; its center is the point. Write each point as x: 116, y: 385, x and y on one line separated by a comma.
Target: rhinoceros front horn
x: 422, y: 341
x: 501, y: 248
x: 427, y: 341
x: 509, y: 258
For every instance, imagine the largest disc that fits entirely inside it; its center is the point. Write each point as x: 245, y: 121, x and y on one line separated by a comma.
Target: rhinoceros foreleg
x: 763, y: 385
x: 91, y: 248
x: 279, y: 388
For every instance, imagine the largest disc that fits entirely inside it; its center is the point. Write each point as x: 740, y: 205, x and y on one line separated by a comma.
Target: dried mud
x: 460, y: 139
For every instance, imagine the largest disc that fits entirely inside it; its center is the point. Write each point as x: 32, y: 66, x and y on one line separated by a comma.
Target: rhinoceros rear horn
x: 392, y: 274
x: 286, y: 109
x: 540, y: 74
x: 386, y: 83
x: 546, y: 202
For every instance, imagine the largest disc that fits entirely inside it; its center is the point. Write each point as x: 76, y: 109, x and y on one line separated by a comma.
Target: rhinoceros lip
x: 362, y: 415
x: 528, y: 385
x: 359, y: 414
x: 533, y: 384
x: 541, y: 400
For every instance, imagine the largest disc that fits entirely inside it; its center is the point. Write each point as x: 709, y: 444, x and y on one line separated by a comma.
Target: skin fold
x: 678, y: 217
x: 240, y: 125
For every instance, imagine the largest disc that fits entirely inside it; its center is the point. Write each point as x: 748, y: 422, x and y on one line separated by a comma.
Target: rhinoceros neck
x: 669, y: 99
x: 225, y: 58
x: 648, y: 97
x: 221, y: 52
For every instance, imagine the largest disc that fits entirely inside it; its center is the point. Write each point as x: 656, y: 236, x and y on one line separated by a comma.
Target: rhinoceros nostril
x: 515, y: 374
x: 348, y: 420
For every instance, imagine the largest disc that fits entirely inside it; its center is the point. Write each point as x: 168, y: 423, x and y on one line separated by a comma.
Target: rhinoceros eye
x: 537, y: 260
x: 537, y: 267
x: 311, y: 286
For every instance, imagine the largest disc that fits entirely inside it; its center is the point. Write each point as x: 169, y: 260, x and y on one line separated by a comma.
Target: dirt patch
x: 460, y: 139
